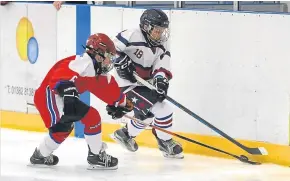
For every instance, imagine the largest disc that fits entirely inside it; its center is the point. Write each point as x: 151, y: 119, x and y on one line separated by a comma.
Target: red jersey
x: 80, y: 70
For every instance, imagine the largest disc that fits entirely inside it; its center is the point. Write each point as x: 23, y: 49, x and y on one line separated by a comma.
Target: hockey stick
x: 254, y: 151
x: 242, y: 158
x: 30, y: 104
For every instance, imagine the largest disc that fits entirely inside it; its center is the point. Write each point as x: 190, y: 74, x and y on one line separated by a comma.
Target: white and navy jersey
x: 148, y: 61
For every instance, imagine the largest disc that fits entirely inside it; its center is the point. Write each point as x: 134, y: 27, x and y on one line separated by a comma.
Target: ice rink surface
x: 144, y: 165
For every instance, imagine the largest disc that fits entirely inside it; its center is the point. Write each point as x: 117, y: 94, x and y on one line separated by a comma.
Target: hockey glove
x: 161, y: 84
x: 70, y: 95
x: 119, y: 112
x: 125, y: 68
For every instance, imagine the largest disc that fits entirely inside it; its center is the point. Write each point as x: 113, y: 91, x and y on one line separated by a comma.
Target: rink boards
x: 277, y: 153
x: 227, y: 67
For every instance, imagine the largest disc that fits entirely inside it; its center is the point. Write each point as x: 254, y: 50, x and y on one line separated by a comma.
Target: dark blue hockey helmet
x: 155, y: 23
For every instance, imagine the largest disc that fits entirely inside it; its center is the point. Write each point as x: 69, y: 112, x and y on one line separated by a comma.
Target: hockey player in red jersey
x: 57, y: 100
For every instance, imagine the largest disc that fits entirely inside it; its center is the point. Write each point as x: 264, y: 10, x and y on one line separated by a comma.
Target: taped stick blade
x: 263, y: 151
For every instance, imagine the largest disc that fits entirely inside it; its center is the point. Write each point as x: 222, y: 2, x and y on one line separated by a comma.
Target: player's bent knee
x: 81, y: 110
x: 60, y: 131
x: 92, y: 122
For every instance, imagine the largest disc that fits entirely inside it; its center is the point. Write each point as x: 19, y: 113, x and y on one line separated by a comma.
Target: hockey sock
x: 135, y: 128
x: 93, y: 130
x: 57, y: 134
x: 165, y: 123
x: 47, y: 146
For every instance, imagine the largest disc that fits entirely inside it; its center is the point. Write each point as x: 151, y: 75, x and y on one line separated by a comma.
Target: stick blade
x: 245, y: 159
x: 263, y: 151
x: 257, y: 151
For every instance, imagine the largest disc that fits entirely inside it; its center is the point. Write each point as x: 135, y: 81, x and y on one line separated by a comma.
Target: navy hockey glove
x: 125, y: 68
x: 161, y: 84
x: 119, y: 112
x: 70, y: 95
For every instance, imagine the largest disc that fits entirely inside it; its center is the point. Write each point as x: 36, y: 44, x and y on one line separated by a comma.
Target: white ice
x: 144, y: 165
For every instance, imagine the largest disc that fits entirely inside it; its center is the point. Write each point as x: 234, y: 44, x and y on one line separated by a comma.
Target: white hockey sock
x: 164, y: 123
x: 47, y: 146
x: 135, y: 128
x: 94, y: 142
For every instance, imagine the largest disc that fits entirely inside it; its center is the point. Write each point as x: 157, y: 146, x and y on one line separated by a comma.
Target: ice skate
x: 169, y: 148
x: 122, y: 137
x: 39, y: 160
x: 102, y: 161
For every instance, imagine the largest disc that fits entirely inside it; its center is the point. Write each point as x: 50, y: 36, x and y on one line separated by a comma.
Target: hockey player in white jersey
x: 144, y: 51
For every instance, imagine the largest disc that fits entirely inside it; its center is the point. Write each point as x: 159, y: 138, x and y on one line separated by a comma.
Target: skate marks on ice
x: 143, y: 165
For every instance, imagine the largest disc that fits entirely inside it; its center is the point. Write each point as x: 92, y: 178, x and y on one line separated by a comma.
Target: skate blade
x: 121, y: 143
x: 40, y: 166
x: 113, y: 137
x: 98, y: 167
x: 177, y: 156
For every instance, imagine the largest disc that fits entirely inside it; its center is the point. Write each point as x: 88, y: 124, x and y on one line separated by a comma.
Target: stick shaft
x: 254, y: 151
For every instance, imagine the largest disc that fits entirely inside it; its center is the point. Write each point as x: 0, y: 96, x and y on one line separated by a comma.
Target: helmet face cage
x: 156, y: 34
x: 108, y: 62
x: 102, y: 51
x: 105, y: 60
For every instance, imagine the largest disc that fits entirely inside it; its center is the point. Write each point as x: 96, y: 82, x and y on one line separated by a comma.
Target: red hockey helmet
x: 102, y: 50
